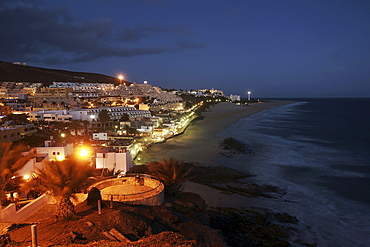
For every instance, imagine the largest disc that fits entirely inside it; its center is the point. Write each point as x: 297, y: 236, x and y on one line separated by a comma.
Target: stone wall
x: 153, y: 196
x: 10, y: 214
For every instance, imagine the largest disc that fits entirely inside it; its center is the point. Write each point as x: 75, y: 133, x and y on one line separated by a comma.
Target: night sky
x: 273, y: 48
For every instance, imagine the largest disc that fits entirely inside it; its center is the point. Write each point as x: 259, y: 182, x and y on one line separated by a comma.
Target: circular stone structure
x: 139, y: 189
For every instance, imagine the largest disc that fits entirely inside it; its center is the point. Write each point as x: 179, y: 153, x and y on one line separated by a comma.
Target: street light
x: 120, y: 77
x: 249, y: 95
x: 83, y: 152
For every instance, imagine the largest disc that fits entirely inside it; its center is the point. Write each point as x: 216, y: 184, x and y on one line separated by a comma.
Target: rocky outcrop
x: 185, y: 219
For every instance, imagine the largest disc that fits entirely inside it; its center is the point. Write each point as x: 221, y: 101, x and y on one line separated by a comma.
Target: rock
x: 109, y: 236
x: 89, y: 224
x: 119, y: 236
x: 76, y: 236
x: 204, y: 234
x: 94, y: 196
x: 5, y: 239
x: 286, y: 218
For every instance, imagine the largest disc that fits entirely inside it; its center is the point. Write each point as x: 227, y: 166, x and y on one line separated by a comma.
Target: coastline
x: 198, y: 144
x: 231, y: 198
x: 226, y: 203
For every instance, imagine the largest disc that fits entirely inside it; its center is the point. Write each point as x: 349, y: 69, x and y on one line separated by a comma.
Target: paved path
x: 44, y: 213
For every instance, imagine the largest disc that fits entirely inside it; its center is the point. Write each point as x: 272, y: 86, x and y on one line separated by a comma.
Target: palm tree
x: 63, y: 179
x: 75, y: 125
x: 17, y: 118
x: 85, y: 124
x: 104, y: 117
x: 11, y: 161
x: 172, y: 173
x: 124, y: 118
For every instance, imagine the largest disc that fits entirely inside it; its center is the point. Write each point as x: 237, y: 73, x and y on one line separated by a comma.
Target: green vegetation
x: 63, y: 179
x: 172, y: 173
x: 16, y: 118
x: 104, y: 117
x: 35, y: 140
x: 11, y: 161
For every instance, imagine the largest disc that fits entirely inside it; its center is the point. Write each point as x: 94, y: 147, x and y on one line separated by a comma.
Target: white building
x: 39, y: 161
x: 51, y: 116
x: 56, y: 153
x: 100, y: 136
x: 234, y: 97
x: 115, y: 113
x: 82, y: 85
x: 43, y: 156
x: 90, y: 114
x: 119, y: 162
x: 17, y: 132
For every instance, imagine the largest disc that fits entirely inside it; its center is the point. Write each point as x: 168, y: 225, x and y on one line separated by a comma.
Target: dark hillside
x: 24, y: 73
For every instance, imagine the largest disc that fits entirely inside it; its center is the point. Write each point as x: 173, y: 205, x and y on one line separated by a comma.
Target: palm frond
x: 12, y: 159
x: 64, y: 177
x: 171, y: 172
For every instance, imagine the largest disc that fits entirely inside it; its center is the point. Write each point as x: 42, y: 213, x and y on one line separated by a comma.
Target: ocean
x: 318, y: 150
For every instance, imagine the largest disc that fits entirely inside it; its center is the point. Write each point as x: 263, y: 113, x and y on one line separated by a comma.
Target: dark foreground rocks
x: 182, y: 221
x: 242, y: 227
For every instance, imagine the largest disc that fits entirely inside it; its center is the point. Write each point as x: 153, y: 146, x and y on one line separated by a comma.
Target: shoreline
x: 225, y: 199
x: 199, y: 144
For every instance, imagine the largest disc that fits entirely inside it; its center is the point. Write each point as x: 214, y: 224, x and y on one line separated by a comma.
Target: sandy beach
x: 198, y: 144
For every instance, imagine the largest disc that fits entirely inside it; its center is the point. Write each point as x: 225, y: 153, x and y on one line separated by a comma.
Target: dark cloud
x: 52, y: 36
x: 182, y: 45
x: 142, y: 31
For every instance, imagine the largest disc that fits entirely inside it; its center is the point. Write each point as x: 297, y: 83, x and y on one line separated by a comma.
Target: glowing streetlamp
x: 249, y: 95
x: 60, y: 157
x: 83, y: 152
x: 120, y: 77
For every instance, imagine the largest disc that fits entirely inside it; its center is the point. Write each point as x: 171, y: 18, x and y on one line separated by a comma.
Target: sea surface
x: 318, y: 150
